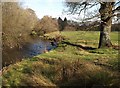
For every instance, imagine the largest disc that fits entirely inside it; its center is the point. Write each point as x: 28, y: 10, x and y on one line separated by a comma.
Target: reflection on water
x: 30, y: 49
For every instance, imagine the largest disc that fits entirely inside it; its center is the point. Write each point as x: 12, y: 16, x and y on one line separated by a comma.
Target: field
x: 75, y: 62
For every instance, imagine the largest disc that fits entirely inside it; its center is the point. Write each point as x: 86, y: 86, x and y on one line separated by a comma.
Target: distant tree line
x: 62, y: 23
x: 46, y: 25
x: 86, y: 26
x: 116, y: 27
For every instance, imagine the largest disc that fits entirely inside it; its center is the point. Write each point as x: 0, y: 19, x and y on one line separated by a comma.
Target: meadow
x: 76, y: 61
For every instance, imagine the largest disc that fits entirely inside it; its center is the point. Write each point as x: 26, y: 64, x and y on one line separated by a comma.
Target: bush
x: 16, y: 23
x: 46, y: 25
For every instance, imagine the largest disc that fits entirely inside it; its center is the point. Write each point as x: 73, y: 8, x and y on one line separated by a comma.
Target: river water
x: 29, y: 49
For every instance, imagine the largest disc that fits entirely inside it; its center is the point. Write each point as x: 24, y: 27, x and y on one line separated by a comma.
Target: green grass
x: 68, y: 64
x: 86, y: 39
x: 90, y: 38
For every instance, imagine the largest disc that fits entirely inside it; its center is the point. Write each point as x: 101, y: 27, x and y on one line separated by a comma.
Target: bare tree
x: 106, y: 12
x: 46, y: 25
x: 17, y: 23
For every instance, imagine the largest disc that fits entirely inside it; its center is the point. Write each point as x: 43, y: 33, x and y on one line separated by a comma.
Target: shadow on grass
x: 80, y: 46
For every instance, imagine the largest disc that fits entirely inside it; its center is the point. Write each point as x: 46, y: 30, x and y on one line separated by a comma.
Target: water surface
x: 29, y: 49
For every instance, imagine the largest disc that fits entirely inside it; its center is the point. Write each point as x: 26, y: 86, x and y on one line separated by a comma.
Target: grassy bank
x: 76, y: 61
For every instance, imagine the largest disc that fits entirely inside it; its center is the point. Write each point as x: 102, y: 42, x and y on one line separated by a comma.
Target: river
x: 29, y: 49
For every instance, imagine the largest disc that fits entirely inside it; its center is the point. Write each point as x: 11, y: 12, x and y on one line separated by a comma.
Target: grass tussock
x: 75, y: 62
x: 52, y: 72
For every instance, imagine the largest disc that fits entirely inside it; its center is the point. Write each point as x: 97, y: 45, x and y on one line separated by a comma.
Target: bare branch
x: 117, y: 9
x: 96, y: 3
x: 117, y: 3
x: 97, y: 15
x: 73, y: 6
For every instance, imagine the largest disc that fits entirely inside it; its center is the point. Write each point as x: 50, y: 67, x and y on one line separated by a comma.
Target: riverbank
x: 76, y: 61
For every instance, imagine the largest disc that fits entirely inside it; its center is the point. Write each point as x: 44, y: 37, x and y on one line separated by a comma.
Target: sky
x: 52, y: 8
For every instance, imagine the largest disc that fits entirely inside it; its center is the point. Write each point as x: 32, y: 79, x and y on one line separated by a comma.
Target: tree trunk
x: 105, y: 26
